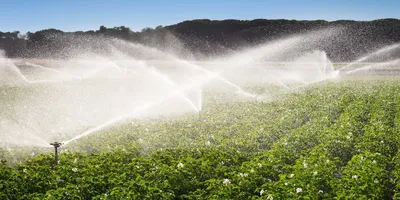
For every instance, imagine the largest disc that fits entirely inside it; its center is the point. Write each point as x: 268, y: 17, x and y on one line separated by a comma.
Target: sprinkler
x: 56, y: 145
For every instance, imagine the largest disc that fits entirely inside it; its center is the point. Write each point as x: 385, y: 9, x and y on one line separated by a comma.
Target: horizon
x: 26, y: 16
x: 96, y: 29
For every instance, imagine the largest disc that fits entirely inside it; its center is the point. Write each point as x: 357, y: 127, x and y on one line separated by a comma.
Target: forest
x: 206, y: 38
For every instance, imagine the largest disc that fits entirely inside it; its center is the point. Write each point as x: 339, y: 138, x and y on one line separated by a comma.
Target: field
x: 331, y: 140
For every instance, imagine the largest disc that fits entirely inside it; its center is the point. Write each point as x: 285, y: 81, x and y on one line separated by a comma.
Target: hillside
x: 209, y: 38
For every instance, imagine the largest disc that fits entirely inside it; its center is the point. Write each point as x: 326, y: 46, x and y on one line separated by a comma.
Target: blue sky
x: 73, y: 15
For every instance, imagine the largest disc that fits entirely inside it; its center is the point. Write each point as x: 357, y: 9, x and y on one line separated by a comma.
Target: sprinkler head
x: 56, y: 144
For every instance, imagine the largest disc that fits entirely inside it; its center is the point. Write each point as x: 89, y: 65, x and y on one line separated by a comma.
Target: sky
x: 82, y: 15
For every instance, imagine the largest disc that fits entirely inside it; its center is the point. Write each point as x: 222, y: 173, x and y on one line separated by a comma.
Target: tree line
x: 213, y: 37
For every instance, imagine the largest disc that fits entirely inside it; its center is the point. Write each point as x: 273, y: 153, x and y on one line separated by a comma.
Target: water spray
x: 56, y: 146
x: 199, y: 115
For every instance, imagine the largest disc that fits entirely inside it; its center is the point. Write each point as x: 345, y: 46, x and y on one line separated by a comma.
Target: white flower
x: 222, y: 163
x: 74, y: 169
x: 226, y: 181
x: 180, y: 165
x: 374, y: 161
x: 76, y: 160
x: 269, y: 197
x: 298, y: 190
x: 25, y: 170
x: 259, y: 165
x: 243, y: 175
x: 320, y: 191
x: 261, y: 192
x: 286, y: 183
x: 291, y: 175
x: 252, y: 171
x: 328, y: 161
x: 208, y: 143
x: 315, y: 173
x: 376, y: 181
x: 354, y: 177
x: 305, y: 165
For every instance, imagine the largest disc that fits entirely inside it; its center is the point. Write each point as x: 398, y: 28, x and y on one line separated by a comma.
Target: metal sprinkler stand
x: 56, y: 145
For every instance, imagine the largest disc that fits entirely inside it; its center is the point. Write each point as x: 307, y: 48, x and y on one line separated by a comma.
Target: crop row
x: 337, y: 140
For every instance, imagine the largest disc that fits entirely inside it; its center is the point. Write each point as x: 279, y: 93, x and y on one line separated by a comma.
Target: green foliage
x: 338, y: 141
x: 365, y: 177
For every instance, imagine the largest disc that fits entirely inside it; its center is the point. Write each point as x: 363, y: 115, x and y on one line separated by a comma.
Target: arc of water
x: 374, y: 66
x: 299, y: 80
x: 280, y: 81
x: 23, y: 76
x: 6, y: 62
x: 323, y: 70
x: 239, y: 90
x: 96, y: 71
x: 157, y: 73
x: 326, y: 63
x: 186, y: 63
x: 312, y: 83
x: 45, y: 81
x: 106, y: 124
x: 142, y: 108
x: 168, y: 81
x: 272, y: 49
x: 379, y: 51
x: 174, y: 85
x: 52, y: 70
x: 41, y: 141
x: 91, y: 74
x: 113, y: 49
x: 283, y: 84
